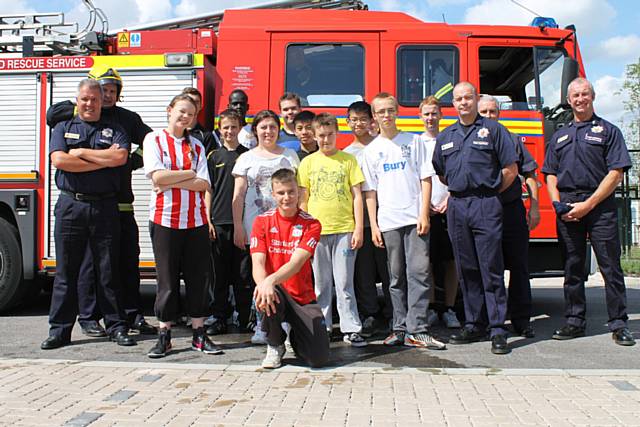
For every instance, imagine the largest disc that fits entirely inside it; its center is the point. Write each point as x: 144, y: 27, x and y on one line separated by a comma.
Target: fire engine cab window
x: 325, y: 75
x: 508, y: 74
x: 424, y: 71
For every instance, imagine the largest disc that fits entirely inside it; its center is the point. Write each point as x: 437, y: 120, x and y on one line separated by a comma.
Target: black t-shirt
x: 221, y: 162
x: 302, y: 154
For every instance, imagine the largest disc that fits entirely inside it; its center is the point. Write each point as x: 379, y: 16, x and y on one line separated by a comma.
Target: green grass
x: 631, y: 262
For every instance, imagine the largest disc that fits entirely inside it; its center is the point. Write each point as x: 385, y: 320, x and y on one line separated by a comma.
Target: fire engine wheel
x: 10, y: 265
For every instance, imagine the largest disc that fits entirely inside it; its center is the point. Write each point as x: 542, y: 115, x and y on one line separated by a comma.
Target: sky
x: 608, y: 34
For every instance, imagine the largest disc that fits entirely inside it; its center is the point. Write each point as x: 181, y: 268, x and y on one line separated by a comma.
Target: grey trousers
x: 410, y: 278
x: 333, y: 264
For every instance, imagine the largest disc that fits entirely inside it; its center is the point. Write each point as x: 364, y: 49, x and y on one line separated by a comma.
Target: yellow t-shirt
x: 328, y: 180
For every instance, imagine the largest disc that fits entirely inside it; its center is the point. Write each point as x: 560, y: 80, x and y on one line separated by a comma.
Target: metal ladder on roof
x: 40, y: 34
x: 213, y: 19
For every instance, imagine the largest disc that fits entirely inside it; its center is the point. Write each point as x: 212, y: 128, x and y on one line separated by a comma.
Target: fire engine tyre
x: 10, y: 266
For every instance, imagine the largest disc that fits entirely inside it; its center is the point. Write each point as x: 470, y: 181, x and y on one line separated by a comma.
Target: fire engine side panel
x: 18, y: 123
x: 147, y: 93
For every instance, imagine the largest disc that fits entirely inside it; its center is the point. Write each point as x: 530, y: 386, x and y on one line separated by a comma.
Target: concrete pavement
x: 69, y: 393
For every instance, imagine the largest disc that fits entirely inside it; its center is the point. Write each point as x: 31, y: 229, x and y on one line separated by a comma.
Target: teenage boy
x: 398, y: 181
x: 289, y: 107
x: 226, y: 255
x: 303, y: 128
x: 371, y: 261
x: 440, y: 248
x: 239, y: 101
x: 330, y: 182
x: 282, y: 242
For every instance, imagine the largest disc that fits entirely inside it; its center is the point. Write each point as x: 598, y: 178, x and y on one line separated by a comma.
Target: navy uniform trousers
x: 78, y: 225
x: 601, y: 225
x: 475, y: 229
x: 128, y: 278
x: 515, y: 250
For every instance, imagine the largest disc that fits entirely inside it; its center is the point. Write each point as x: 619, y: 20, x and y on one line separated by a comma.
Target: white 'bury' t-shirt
x: 258, y: 171
x: 394, y: 168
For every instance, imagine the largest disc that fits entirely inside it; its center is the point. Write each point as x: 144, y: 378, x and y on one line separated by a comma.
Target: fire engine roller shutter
x: 18, y: 123
x: 147, y: 93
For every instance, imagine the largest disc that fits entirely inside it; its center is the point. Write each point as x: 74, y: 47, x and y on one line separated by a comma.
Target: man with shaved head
x: 477, y: 160
x: 584, y: 163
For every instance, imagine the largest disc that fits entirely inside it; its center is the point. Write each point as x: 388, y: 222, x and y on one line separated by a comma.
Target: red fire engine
x: 329, y: 57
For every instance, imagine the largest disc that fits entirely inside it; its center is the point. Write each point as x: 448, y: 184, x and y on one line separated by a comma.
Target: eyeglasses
x: 389, y: 111
x: 363, y: 120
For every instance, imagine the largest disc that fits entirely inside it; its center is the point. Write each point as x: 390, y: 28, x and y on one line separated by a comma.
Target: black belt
x: 83, y: 197
x: 474, y: 193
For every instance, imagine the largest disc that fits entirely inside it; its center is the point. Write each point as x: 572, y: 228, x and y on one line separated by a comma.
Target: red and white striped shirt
x: 176, y: 207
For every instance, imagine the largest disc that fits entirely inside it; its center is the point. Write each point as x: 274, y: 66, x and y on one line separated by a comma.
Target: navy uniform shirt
x: 132, y: 124
x: 76, y: 133
x: 526, y: 164
x: 582, y: 153
x: 472, y: 158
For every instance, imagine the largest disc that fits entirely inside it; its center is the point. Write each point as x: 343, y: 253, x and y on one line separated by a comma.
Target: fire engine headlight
x: 178, y: 59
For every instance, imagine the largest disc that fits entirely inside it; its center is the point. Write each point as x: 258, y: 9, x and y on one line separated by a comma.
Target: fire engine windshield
x: 328, y: 75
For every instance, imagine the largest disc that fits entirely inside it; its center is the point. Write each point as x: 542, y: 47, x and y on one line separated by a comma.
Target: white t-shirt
x: 175, y: 208
x: 439, y: 191
x: 394, y: 168
x: 258, y: 171
x: 357, y: 150
x: 246, y: 138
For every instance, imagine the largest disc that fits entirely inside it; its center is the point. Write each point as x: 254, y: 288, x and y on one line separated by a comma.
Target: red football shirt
x: 278, y: 237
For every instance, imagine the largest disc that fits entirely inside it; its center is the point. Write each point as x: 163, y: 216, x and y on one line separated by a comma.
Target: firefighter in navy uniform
x: 584, y: 164
x: 88, y: 154
x: 129, y: 275
x: 515, y: 228
x: 476, y: 159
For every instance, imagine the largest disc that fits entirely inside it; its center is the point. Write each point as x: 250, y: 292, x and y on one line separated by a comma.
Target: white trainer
x: 450, y: 319
x: 273, y: 359
x: 259, y: 337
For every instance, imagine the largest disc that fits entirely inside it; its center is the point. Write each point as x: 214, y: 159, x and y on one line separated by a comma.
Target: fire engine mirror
x: 569, y: 72
x: 178, y: 59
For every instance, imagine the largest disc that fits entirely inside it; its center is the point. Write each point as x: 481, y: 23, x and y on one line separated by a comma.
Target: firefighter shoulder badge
x: 483, y: 133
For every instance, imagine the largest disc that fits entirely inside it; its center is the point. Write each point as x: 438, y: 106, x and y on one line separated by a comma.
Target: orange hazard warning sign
x: 123, y: 39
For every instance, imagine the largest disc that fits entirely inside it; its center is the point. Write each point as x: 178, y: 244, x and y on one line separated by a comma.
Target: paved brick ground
x: 58, y: 392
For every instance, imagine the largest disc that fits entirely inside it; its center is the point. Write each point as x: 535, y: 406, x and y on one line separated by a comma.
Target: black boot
x: 163, y: 346
x: 201, y: 342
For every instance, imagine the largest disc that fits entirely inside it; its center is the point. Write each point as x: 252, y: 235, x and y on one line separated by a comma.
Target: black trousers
x: 78, y: 226
x: 515, y: 250
x: 231, y: 267
x: 129, y: 276
x: 371, y: 267
x: 601, y: 225
x: 187, y: 252
x: 308, y: 329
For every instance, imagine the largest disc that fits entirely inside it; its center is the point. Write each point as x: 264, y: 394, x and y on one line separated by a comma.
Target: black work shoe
x: 201, y: 342
x: 217, y: 328
x: 142, y: 327
x: 623, y: 336
x: 568, y: 332
x: 527, y: 331
x: 122, y: 338
x: 93, y: 329
x: 53, y: 342
x: 499, y: 344
x: 163, y: 345
x: 467, y: 336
